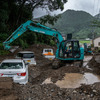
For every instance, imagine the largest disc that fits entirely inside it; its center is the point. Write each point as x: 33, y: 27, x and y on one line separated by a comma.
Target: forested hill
x: 73, y: 21
x: 76, y: 22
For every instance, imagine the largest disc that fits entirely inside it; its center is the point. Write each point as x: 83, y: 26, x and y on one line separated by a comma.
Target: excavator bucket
x: 13, y: 48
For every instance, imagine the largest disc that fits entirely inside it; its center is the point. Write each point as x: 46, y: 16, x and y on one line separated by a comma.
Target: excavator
x: 67, y: 50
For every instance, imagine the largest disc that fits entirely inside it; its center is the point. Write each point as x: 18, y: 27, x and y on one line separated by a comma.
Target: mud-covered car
x: 15, y: 68
x: 27, y: 56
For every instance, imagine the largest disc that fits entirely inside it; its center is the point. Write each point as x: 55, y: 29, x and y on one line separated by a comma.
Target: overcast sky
x: 90, y: 6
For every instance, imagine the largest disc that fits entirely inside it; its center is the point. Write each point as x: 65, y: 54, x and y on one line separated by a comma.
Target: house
x: 96, y: 42
x: 87, y: 39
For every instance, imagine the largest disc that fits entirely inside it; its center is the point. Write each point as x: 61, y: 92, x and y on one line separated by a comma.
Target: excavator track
x: 78, y: 63
x: 59, y: 63
x: 56, y: 63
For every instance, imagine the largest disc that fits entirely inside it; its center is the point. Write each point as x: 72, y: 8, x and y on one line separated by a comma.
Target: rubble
x: 95, y: 64
x: 35, y: 90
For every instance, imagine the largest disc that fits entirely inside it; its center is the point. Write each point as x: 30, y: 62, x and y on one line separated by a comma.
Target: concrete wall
x: 97, y: 42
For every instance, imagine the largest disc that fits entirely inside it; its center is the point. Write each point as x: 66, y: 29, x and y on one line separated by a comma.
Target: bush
x: 3, y: 52
x: 3, y: 37
x: 23, y: 44
x: 1, y: 46
x: 52, y: 43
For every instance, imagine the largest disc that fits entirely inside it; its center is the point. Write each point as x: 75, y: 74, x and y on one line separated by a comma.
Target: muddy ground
x: 36, y: 90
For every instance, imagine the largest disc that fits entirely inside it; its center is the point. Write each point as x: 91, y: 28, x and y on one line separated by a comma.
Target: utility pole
x: 93, y: 30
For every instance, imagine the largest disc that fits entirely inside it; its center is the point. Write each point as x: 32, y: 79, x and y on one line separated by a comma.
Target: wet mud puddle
x: 74, y: 80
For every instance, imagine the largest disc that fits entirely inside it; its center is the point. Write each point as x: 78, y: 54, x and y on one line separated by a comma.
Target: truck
x: 62, y: 55
x: 48, y: 53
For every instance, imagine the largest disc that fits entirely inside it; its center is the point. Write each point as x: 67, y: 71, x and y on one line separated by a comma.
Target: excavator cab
x: 69, y: 49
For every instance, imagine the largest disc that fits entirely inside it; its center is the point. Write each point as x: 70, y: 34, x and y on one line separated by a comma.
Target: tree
x: 95, y: 23
x: 3, y: 15
x: 49, y: 19
x: 49, y: 5
x: 15, y: 12
x: 18, y: 11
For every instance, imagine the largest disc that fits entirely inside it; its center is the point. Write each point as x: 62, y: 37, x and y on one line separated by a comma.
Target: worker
x: 68, y: 50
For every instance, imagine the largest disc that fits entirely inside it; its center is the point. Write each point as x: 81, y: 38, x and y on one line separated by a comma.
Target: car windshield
x: 25, y: 55
x: 7, y: 65
x: 47, y: 50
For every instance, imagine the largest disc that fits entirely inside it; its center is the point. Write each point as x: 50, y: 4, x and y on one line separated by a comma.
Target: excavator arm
x: 35, y: 27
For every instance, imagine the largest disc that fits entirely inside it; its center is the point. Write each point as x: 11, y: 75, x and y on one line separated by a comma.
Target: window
x: 25, y: 55
x: 7, y: 65
x: 28, y: 55
x: 98, y: 43
x: 75, y: 46
x: 47, y: 50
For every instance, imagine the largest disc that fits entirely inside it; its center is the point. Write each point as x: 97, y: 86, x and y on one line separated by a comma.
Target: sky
x: 90, y: 6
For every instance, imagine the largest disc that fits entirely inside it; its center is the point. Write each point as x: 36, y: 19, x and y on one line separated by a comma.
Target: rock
x: 75, y: 91
x: 52, y: 90
x: 83, y: 99
x: 80, y: 91
x: 59, y: 93
x: 68, y: 98
x: 29, y: 99
x: 94, y: 91
x: 92, y: 95
x: 97, y: 59
x: 85, y: 92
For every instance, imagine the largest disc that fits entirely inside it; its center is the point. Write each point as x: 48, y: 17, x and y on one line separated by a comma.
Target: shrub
x: 52, y: 43
x: 23, y: 44
x: 3, y: 37
x: 3, y: 52
x: 1, y: 46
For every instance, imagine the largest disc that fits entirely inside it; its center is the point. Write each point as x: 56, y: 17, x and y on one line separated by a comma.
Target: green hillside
x: 76, y: 22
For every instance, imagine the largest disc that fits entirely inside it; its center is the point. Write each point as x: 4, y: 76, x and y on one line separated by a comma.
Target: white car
x: 27, y: 56
x: 15, y: 68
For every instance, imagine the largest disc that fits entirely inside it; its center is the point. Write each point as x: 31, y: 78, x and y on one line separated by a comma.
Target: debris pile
x: 94, y: 63
x: 35, y: 90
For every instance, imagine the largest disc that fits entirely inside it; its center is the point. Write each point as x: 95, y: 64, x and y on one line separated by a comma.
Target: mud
x: 36, y: 90
x: 74, y: 80
x: 94, y: 63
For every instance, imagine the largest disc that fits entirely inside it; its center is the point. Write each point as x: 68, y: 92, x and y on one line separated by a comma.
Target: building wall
x: 97, y: 42
x: 64, y: 38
